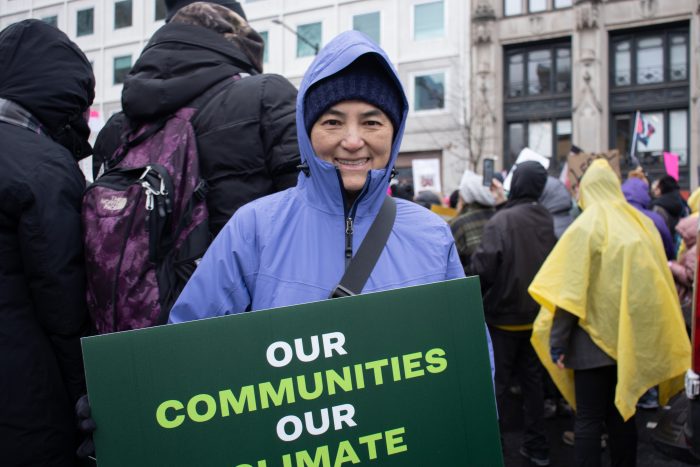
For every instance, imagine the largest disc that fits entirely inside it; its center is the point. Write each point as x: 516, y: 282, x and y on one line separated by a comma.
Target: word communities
x: 204, y: 407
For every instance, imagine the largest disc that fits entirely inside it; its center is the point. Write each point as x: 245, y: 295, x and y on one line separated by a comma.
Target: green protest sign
x: 391, y: 378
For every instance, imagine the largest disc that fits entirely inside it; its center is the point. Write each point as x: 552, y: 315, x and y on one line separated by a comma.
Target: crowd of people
x: 576, y: 281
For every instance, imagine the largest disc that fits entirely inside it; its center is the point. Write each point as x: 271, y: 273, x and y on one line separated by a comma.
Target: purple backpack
x: 145, y: 223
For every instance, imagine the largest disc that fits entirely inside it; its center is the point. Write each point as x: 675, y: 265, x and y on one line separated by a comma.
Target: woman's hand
x: 557, y: 354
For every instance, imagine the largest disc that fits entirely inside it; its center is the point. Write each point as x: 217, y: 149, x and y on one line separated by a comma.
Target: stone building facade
x: 552, y: 73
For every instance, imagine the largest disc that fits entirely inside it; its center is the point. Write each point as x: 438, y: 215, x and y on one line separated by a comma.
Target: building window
x: 160, y: 10
x: 537, y: 104
x: 678, y: 134
x: 550, y: 138
x: 539, y: 137
x: 266, y: 47
x: 679, y: 57
x: 670, y: 134
x: 650, y: 74
x: 538, y: 70
x: 429, y: 91
x: 535, y: 6
x: 123, y: 14
x: 516, y: 77
x: 512, y: 7
x: 368, y: 24
x: 308, y: 39
x: 562, y: 78
x: 650, y: 57
x: 623, y: 63
x: 518, y: 7
x: 429, y: 20
x: 51, y: 20
x: 86, y: 22
x: 122, y: 65
x: 650, y: 60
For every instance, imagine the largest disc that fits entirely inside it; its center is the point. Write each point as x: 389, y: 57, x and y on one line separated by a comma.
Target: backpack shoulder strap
x: 363, y: 262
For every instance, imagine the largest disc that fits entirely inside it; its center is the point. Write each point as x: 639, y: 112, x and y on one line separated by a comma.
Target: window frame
x: 633, y: 37
x: 415, y: 74
x: 155, y: 10
x: 265, y: 35
x: 525, y: 8
x: 378, y: 13
x: 549, y: 107
x: 554, y: 163
x: 114, y: 8
x: 298, y: 40
x: 114, y: 67
x: 666, y: 145
x: 444, y: 20
x: 553, y: 47
x: 77, y: 21
x: 53, y: 18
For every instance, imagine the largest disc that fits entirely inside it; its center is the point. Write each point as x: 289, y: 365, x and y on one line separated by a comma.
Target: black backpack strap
x: 363, y: 262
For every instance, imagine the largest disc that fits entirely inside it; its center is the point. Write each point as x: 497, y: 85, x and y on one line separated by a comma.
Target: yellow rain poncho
x: 609, y: 269
x: 694, y: 201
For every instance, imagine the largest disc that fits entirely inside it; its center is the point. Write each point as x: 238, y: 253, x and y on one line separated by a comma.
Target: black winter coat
x: 515, y: 243
x: 42, y: 280
x: 246, y: 135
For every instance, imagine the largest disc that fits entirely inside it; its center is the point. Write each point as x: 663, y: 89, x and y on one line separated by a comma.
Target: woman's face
x: 355, y: 137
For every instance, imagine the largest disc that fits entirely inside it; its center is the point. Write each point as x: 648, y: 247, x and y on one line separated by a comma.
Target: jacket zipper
x: 350, y: 216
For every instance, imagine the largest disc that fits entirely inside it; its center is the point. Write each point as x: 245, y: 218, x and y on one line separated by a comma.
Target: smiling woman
x: 294, y: 246
x: 355, y: 137
x: 352, y: 118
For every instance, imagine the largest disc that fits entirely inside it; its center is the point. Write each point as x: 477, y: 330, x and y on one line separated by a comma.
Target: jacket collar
x: 15, y: 114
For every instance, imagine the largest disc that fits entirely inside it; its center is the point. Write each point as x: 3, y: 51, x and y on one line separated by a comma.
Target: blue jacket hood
x: 322, y: 186
x: 636, y: 193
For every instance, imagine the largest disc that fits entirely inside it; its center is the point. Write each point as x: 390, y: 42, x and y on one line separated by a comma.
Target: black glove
x: 87, y: 426
x: 556, y: 353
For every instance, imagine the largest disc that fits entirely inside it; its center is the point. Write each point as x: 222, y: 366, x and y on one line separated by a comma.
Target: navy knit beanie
x: 365, y: 79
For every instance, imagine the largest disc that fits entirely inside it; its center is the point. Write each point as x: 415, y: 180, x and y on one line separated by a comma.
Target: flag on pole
x: 642, y: 132
x: 643, y: 129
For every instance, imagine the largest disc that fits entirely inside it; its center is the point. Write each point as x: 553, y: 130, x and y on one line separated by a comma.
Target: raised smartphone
x: 488, y: 171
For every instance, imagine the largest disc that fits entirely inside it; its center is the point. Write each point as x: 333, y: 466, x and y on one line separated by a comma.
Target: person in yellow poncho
x: 618, y: 328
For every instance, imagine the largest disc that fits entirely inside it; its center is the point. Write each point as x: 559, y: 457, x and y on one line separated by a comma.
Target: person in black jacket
x: 515, y: 243
x: 46, y: 87
x: 668, y: 202
x: 246, y: 134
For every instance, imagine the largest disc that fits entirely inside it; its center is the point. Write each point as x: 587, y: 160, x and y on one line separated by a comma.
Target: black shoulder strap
x: 363, y: 262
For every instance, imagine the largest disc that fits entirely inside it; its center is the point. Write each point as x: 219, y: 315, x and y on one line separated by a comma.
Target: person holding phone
x: 476, y: 206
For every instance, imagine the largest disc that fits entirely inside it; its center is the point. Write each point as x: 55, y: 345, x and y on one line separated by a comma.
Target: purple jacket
x: 637, y: 194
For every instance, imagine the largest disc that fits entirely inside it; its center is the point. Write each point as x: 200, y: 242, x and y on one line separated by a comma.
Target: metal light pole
x: 303, y: 39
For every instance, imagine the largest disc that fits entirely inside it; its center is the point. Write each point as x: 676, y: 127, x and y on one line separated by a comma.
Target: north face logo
x: 115, y: 203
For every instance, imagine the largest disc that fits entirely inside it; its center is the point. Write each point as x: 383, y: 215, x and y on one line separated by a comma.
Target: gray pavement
x: 561, y: 454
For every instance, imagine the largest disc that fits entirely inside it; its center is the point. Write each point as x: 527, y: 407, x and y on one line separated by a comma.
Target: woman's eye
x: 331, y: 122
x: 373, y: 122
